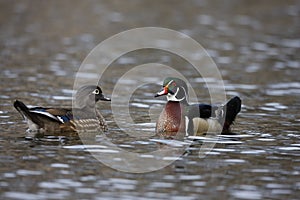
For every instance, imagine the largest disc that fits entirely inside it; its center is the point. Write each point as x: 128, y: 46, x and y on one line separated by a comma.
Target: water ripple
x: 242, y: 194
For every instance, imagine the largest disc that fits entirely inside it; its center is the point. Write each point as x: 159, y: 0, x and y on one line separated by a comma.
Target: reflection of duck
x: 179, y: 116
x: 61, y: 119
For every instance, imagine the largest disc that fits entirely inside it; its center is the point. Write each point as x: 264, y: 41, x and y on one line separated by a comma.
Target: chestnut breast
x: 171, y: 119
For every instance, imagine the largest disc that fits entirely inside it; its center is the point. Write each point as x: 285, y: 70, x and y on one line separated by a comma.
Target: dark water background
x: 256, y: 47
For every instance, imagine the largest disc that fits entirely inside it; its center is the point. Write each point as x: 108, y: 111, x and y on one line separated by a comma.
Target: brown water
x: 255, y: 45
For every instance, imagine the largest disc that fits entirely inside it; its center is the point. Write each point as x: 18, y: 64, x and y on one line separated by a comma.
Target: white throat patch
x: 172, y: 97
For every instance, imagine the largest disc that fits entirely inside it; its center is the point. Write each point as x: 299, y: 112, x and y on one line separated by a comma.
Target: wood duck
x: 47, y: 119
x: 196, y: 119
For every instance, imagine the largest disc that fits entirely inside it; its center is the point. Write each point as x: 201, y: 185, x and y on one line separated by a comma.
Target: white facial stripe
x: 185, y: 94
x: 169, y: 83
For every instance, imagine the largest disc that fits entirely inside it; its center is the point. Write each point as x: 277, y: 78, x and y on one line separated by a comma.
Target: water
x: 256, y: 48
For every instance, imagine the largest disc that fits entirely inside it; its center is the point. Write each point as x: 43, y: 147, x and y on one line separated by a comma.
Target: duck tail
x: 25, y: 112
x: 21, y: 108
x: 232, y: 107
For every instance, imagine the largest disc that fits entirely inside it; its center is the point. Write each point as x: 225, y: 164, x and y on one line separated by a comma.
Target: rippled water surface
x: 256, y: 48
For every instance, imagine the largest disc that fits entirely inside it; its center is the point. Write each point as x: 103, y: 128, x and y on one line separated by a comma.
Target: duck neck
x: 183, y: 102
x: 85, y: 104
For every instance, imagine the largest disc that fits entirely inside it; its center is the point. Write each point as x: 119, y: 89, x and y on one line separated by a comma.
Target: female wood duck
x: 43, y: 119
x: 195, y: 119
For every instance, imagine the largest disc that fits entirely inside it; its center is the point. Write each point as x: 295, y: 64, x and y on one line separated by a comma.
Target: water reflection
x: 281, y: 89
x: 256, y: 49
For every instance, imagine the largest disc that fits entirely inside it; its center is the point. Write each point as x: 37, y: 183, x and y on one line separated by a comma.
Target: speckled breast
x: 171, y: 118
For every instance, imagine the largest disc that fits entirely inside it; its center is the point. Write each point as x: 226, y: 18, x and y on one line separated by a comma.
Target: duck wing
x: 34, y: 114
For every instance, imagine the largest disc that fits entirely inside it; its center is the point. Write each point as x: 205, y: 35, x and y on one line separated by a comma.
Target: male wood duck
x: 47, y: 119
x: 195, y: 119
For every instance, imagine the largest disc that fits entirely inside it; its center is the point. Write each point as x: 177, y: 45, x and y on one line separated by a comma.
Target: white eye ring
x: 96, y: 91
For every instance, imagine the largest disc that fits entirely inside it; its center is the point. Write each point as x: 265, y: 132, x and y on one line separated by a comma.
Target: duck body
x: 47, y: 119
x: 203, y: 118
x: 195, y: 119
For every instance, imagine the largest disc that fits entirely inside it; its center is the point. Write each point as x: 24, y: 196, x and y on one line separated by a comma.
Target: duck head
x: 88, y: 95
x: 175, y: 89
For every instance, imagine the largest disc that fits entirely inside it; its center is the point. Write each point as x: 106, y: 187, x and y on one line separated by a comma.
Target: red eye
x: 174, y: 84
